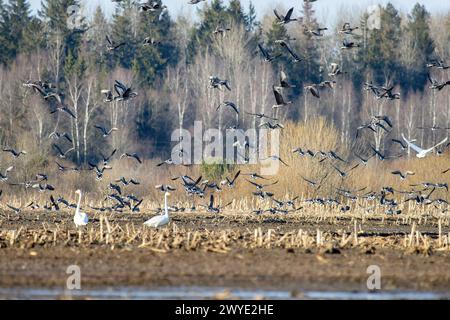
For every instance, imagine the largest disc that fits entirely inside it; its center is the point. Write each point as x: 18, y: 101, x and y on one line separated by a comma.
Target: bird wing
x: 263, y: 51
x: 58, y: 149
x: 278, y: 97
x: 109, y: 40
x: 291, y: 52
x: 211, y: 201
x: 101, y: 129
x: 289, y: 14
x: 413, y: 146
x: 277, y: 15
x: 235, y: 177
x: 442, y: 142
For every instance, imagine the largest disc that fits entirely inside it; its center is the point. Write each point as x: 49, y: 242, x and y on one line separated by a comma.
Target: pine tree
x: 95, y: 51
x: 19, y: 19
x: 152, y: 60
x: 251, y: 21
x: 382, y: 51
x: 123, y: 32
x: 419, y: 30
x: 235, y: 13
x: 211, y: 16
x: 55, y: 15
x: 5, y: 35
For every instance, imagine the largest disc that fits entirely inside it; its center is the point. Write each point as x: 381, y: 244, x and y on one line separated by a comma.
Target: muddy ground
x: 248, y: 268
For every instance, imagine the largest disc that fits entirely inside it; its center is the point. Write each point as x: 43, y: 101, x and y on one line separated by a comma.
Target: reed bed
x: 317, y: 134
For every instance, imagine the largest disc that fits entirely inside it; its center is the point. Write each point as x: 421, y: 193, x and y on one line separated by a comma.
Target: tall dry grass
x: 317, y: 134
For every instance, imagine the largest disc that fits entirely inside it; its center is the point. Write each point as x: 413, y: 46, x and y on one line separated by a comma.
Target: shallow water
x: 201, y: 293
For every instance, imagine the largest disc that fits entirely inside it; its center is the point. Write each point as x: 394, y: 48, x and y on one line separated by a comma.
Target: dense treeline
x: 171, y: 75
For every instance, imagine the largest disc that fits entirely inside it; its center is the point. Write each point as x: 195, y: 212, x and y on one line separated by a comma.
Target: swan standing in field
x: 421, y: 153
x: 80, y: 218
x: 160, y: 220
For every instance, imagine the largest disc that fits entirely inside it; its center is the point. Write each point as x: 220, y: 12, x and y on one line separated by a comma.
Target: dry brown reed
x: 317, y: 134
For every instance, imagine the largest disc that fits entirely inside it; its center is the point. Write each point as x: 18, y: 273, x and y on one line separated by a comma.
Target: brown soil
x: 44, y: 266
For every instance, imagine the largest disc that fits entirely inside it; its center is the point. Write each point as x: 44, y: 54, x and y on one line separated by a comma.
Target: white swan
x: 421, y: 153
x: 160, y: 220
x: 80, y: 218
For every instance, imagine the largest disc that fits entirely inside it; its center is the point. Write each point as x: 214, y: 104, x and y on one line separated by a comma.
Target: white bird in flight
x: 160, y: 220
x: 80, y: 218
x: 421, y: 153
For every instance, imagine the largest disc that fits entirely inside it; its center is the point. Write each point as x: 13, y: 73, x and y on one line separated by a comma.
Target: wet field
x: 234, y: 255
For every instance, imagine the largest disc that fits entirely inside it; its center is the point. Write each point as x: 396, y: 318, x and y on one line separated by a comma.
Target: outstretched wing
x: 412, y: 145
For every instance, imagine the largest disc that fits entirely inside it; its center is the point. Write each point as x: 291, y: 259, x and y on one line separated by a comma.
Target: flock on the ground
x: 198, y: 187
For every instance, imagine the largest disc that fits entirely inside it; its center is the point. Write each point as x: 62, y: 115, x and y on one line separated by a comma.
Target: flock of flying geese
x: 197, y: 187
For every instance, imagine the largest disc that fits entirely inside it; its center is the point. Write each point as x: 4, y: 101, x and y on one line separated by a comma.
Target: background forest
x: 172, y: 77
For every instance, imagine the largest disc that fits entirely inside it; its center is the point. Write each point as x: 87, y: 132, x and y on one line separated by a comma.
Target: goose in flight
x: 195, y: 1
x: 283, y: 81
x: 313, y: 90
x: 262, y: 186
x: 150, y: 41
x: 276, y: 158
x: 436, y: 85
x: 57, y: 135
x: 363, y: 160
x: 152, y: 6
x: 111, y: 45
x: 43, y: 187
x: 230, y: 183
x: 169, y: 162
x: 217, y: 83
x: 284, y: 19
x: 347, y: 29
x: 65, y: 110
x: 64, y: 169
x: 80, y: 218
x: 402, y: 175
x: 269, y: 125
x: 211, y: 208
x: 16, y: 210
x: 422, y: 153
x: 254, y: 176
x: 439, y: 64
x: 16, y: 154
x: 99, y: 172
x: 4, y: 177
x: 108, y: 95
x: 346, y: 44
x: 280, y: 102
x: 268, y: 57
x: 335, y: 70
x: 221, y: 30
x: 343, y: 174
x: 261, y: 116
x: 61, y: 154
x: 108, y: 158
x: 124, y: 93
x: 285, y: 45
x: 131, y: 155
x: 165, y: 188
x: 388, y: 94
x: 126, y: 182
x: 104, y: 131
x: 230, y: 104
x: 318, y: 32
x: 160, y: 220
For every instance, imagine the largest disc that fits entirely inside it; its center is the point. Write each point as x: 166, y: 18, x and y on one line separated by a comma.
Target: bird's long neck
x: 79, y: 202
x: 166, y: 209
